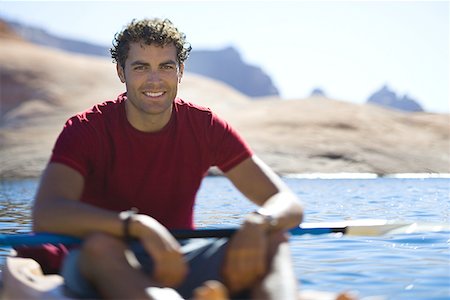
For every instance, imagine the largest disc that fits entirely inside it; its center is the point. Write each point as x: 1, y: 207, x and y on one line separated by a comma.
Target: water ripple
x: 400, y: 267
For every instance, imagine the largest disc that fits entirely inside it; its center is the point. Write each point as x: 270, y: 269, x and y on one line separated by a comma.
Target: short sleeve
x: 227, y: 145
x: 74, y: 146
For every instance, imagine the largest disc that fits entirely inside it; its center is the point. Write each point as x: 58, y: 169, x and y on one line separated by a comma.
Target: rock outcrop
x: 387, y: 98
x: 227, y: 65
x: 318, y: 92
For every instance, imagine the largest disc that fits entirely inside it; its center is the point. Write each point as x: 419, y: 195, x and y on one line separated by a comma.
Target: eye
x: 168, y: 67
x: 139, y: 68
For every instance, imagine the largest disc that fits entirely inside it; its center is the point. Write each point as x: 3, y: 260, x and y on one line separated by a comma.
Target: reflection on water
x: 402, y: 266
x: 15, y: 205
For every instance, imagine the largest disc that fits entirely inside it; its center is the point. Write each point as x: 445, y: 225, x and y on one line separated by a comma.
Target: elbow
x: 39, y: 218
x: 293, y: 208
x: 300, y: 213
x: 36, y: 223
x: 297, y: 211
x: 296, y: 208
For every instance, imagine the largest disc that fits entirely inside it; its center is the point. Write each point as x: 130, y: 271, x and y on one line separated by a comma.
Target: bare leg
x: 104, y: 262
x: 280, y: 282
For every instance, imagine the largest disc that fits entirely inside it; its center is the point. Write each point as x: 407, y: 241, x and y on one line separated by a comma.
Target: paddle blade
x: 371, y: 227
x: 418, y: 227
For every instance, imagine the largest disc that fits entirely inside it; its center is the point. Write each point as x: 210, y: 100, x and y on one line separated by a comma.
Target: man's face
x: 151, y: 75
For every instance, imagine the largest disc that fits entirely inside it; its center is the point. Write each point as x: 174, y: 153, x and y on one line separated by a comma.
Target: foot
x: 314, y: 295
x: 212, y: 290
x: 346, y: 296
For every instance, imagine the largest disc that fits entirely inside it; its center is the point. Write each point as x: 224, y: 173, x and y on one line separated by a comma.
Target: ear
x: 180, y: 73
x: 120, y: 72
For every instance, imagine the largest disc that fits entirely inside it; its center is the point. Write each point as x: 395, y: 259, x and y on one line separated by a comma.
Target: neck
x: 147, y: 122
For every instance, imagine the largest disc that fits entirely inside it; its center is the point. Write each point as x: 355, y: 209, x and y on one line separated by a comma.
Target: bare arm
x: 57, y: 207
x: 246, y: 259
x: 262, y: 186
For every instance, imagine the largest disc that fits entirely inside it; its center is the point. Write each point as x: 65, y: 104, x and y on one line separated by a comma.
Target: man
x: 150, y: 150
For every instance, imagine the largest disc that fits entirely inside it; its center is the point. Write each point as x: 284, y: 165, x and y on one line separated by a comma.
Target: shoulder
x: 193, y: 110
x: 186, y: 106
x: 198, y: 115
x: 98, y: 114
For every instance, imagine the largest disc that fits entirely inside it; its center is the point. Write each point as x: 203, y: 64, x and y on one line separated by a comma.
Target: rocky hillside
x: 42, y: 87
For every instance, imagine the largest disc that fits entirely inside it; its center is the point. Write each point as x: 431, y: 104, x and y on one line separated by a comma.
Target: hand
x: 170, y: 269
x: 246, y: 257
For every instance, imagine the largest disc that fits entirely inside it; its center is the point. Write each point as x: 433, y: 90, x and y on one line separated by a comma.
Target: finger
x: 171, y: 270
x: 238, y: 273
x: 260, y: 262
x: 243, y: 268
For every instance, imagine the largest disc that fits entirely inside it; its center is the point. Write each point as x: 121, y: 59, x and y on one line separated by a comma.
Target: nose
x: 153, y: 76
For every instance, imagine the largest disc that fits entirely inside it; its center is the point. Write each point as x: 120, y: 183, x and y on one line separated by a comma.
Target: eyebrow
x: 143, y: 63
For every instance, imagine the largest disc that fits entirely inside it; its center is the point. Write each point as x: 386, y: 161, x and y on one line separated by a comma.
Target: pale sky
x: 348, y: 48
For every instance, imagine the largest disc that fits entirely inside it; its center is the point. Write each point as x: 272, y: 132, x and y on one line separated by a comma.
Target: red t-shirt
x: 159, y: 173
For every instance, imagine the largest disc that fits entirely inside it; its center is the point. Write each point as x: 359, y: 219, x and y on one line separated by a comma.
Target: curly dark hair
x: 149, y: 31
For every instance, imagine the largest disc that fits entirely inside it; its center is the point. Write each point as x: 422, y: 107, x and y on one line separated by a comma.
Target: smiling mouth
x: 153, y: 94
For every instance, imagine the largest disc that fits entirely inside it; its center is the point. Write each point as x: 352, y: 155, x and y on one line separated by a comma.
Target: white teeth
x: 150, y: 94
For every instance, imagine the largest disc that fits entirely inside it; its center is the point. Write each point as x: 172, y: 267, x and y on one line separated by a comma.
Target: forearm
x: 75, y: 218
x: 285, y: 209
x: 57, y: 207
x: 263, y: 187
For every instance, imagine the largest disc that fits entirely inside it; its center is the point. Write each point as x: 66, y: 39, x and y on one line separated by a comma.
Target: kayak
x: 22, y: 278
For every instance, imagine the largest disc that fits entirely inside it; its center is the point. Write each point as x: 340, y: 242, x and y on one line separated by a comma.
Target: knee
x: 278, y: 243
x: 278, y: 238
x: 100, y: 245
x: 97, y: 252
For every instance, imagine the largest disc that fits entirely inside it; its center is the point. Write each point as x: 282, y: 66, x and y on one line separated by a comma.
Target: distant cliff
x: 388, y: 98
x: 225, y: 65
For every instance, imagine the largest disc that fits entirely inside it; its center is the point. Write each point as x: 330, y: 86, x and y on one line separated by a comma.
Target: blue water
x: 400, y: 266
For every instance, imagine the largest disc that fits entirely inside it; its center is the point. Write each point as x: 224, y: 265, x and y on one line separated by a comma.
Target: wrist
x: 267, y: 220
x: 127, y: 218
